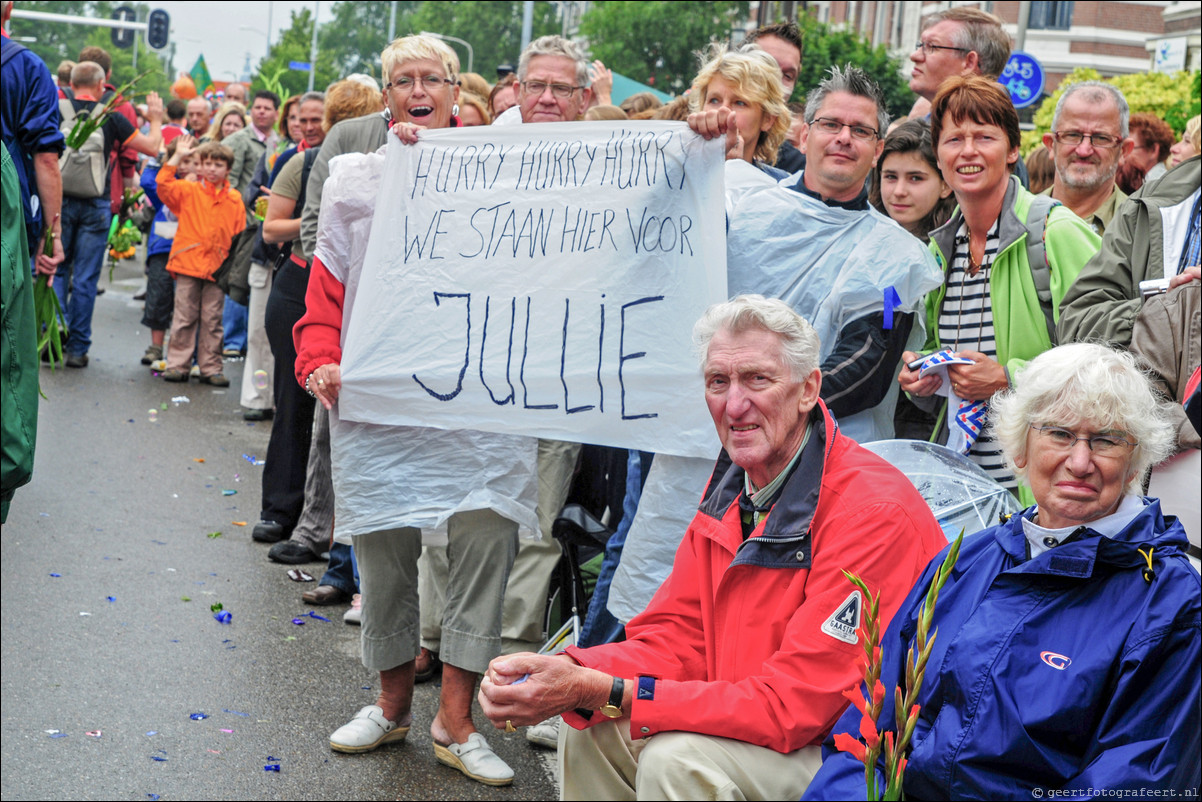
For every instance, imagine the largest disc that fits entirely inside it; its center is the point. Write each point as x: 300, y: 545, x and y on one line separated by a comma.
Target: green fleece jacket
x: 1020, y: 327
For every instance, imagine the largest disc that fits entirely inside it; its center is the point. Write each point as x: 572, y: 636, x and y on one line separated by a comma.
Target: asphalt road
x: 111, y: 563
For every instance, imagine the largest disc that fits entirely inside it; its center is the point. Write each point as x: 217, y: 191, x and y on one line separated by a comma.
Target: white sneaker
x: 195, y: 372
x: 354, y: 616
x: 158, y: 365
x: 545, y: 733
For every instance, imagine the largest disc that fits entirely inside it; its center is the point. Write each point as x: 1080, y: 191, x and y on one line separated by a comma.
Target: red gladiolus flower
x: 846, y: 743
x: 868, y: 730
x: 857, y: 699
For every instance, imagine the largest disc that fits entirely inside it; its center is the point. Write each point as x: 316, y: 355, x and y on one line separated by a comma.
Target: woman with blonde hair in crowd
x: 473, y: 110
x: 1190, y: 144
x: 746, y: 81
x: 231, y: 117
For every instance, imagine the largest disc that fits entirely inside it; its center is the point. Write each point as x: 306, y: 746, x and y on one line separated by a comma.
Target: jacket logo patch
x: 844, y: 622
x: 1056, y: 661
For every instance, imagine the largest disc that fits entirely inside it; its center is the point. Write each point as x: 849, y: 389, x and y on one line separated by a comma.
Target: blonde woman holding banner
x: 370, y: 461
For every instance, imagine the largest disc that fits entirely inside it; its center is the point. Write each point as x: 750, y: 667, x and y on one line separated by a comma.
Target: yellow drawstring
x: 1149, y: 574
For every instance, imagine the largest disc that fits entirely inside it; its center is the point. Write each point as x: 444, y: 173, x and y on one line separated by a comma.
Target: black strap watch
x: 613, y: 708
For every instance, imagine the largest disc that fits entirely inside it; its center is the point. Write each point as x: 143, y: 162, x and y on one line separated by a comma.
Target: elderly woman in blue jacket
x: 1067, y: 653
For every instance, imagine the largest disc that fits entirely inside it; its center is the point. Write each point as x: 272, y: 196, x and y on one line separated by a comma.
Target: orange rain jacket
x: 209, y: 219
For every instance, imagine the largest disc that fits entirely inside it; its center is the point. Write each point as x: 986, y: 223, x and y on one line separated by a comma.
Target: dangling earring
x: 455, y: 110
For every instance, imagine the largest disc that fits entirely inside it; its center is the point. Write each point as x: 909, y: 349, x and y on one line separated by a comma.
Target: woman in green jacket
x: 1008, y: 258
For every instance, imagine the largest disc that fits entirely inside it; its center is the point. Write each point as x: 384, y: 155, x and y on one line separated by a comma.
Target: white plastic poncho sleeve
x: 392, y: 476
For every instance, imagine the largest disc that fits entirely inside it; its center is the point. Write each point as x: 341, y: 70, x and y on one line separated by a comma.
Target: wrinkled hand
x: 555, y: 684
x: 601, y: 80
x: 978, y: 381
x: 912, y: 384
x: 718, y: 122
x: 325, y: 382
x: 407, y: 132
x: 1186, y: 276
x: 154, y: 107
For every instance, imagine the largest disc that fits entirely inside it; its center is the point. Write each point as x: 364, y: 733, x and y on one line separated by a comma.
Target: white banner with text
x: 542, y: 280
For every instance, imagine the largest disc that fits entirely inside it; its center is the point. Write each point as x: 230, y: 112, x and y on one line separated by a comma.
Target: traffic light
x: 158, y: 29
x: 123, y: 37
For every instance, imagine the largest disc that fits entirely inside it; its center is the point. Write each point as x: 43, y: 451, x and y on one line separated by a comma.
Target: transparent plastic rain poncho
x: 392, y: 476
x: 958, y: 491
x: 832, y: 266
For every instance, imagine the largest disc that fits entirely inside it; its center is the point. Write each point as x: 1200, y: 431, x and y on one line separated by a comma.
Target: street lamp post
x: 470, y: 52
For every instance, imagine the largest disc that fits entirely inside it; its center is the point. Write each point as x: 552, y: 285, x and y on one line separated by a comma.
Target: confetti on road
x: 198, y: 716
x: 312, y: 614
x: 297, y: 575
x: 56, y: 576
x: 238, y: 523
x: 229, y: 492
x: 213, y: 535
x: 93, y: 733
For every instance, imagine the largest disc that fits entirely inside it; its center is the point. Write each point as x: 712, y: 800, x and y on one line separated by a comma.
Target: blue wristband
x: 646, y: 690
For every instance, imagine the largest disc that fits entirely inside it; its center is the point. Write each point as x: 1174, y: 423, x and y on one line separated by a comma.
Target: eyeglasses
x: 927, y: 47
x: 561, y: 91
x: 1074, y: 138
x: 1108, y: 445
x: 828, y: 126
x: 429, y: 83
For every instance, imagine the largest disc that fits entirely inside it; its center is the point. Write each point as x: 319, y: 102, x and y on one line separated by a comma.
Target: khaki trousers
x: 603, y: 762
x: 529, y: 581
x: 258, y: 350
x: 199, y: 304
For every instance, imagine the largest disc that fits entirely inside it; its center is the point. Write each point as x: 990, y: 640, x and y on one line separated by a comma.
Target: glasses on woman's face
x: 1075, y: 138
x: 832, y: 127
x: 429, y: 82
x: 1102, y: 445
x: 560, y: 91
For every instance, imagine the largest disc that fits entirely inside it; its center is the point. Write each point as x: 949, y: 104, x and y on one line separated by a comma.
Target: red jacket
x: 737, y: 636
x: 317, y: 336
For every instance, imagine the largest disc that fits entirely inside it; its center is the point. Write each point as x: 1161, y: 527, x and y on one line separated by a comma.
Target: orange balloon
x: 184, y: 88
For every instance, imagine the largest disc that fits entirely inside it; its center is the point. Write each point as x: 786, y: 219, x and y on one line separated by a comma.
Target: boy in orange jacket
x: 210, y: 215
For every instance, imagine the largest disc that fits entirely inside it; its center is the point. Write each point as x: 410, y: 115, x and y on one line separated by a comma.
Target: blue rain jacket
x: 1066, y: 671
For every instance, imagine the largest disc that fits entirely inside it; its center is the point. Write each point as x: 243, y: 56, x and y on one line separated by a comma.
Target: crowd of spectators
x: 722, y: 640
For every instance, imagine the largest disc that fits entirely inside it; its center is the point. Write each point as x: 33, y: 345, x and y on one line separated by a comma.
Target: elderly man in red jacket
x: 728, y: 681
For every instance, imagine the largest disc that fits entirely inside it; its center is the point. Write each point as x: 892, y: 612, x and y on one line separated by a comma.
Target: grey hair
x: 1096, y: 92
x: 799, y: 342
x: 852, y: 81
x: 418, y: 46
x: 1089, y: 384
x: 320, y: 97
x: 87, y: 73
x: 553, y: 45
x: 365, y: 79
x: 978, y: 31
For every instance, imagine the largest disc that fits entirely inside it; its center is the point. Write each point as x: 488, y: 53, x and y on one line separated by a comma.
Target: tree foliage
x: 353, y: 37
x: 58, y: 41
x: 825, y: 48
x: 1174, y: 97
x: 656, y: 42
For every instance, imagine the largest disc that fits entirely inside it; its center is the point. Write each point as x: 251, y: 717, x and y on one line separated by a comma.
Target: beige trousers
x: 529, y: 581
x: 258, y: 351
x: 196, y: 322
x: 603, y: 762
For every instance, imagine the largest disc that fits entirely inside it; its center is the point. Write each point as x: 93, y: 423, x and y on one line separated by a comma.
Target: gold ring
x: 509, y: 726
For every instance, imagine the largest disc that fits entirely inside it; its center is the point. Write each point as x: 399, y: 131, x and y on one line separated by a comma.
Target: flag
x: 200, y: 75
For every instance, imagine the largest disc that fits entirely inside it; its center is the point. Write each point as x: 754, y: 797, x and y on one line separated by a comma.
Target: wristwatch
x: 613, y: 708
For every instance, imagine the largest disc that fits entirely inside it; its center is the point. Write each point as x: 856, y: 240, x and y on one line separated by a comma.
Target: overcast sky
x: 226, y: 31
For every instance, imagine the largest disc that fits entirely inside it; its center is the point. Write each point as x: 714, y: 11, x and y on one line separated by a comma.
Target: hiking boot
x: 217, y: 380
x: 174, y: 375
x: 152, y: 355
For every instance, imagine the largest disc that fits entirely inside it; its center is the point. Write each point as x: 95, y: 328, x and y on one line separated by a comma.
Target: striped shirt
x: 966, y: 324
